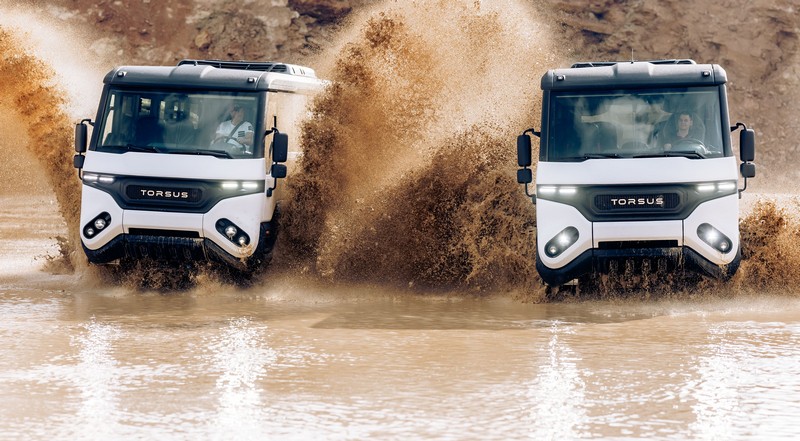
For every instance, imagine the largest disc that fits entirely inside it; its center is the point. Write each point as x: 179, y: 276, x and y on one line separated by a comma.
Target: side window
x: 271, y: 116
x: 122, y: 110
x: 106, y: 137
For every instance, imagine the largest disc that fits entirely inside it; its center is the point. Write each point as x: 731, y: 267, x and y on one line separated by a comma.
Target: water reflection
x: 742, y: 364
x: 241, y: 359
x: 232, y: 364
x: 97, y: 378
x: 557, y: 395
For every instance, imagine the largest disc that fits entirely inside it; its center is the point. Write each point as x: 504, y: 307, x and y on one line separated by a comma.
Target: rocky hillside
x: 757, y: 41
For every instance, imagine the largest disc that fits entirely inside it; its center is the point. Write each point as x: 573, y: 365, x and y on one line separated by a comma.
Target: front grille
x: 163, y: 193
x: 164, y: 248
x: 636, y: 202
x: 637, y: 244
x: 163, y: 233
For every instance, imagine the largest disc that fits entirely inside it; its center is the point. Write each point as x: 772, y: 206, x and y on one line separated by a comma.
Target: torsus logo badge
x: 164, y: 194
x: 640, y: 201
x: 148, y: 193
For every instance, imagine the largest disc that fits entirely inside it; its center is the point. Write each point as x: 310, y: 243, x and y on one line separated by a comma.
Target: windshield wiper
x: 215, y: 153
x: 676, y: 154
x: 141, y: 148
x: 601, y: 155
x: 595, y: 156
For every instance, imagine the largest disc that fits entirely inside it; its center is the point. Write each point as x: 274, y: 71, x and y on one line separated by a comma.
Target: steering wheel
x: 225, y: 139
x: 222, y: 142
x: 693, y: 141
x: 698, y: 145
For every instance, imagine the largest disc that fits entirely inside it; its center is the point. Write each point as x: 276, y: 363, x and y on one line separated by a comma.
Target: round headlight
x: 231, y: 231
x: 100, y: 224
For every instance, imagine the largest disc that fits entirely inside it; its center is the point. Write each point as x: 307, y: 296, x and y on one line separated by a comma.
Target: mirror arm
x: 738, y: 124
x: 530, y: 195
x: 741, y: 190
x: 533, y: 132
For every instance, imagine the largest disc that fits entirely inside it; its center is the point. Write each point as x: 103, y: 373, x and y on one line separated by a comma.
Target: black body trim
x: 680, y: 200
x: 185, y: 195
x: 595, y: 260
x: 182, y: 249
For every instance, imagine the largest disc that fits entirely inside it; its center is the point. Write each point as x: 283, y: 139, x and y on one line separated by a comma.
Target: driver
x: 685, y: 123
x: 236, y: 131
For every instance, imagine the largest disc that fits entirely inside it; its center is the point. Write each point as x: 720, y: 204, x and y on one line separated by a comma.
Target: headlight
x: 96, y: 225
x: 561, y: 241
x: 242, y: 186
x: 232, y: 232
x: 714, y: 238
x: 91, y: 178
x: 553, y: 190
x: 721, y: 187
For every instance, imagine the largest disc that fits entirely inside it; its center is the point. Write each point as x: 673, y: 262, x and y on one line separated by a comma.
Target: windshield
x: 635, y: 123
x: 221, y: 124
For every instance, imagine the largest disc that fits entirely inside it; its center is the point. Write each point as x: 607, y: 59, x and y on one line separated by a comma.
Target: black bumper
x: 599, y: 261
x: 182, y: 249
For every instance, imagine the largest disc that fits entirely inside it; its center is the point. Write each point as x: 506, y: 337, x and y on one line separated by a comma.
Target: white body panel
x: 636, y: 171
x: 93, y: 202
x: 723, y: 214
x: 174, y: 166
x: 559, y: 216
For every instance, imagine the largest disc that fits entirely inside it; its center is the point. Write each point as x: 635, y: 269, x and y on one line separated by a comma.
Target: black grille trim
x: 636, y: 244
x: 202, y: 194
x: 164, y: 233
x: 680, y: 200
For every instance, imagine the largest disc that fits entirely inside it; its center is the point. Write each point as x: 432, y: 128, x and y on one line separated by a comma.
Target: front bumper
x: 602, y: 261
x: 182, y: 249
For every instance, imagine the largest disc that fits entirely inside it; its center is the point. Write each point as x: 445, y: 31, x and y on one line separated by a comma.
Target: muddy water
x: 295, y: 360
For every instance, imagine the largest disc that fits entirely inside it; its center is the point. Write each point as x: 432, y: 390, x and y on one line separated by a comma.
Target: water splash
x: 38, y: 105
x: 407, y: 173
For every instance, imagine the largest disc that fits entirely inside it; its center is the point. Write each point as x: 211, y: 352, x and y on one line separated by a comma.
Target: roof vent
x: 262, y: 66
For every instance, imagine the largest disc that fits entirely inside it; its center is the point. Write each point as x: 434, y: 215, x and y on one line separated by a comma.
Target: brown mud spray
x: 27, y: 91
x: 408, y: 170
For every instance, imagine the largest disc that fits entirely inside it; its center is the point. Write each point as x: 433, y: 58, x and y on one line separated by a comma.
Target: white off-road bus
x: 183, y: 161
x: 636, y: 170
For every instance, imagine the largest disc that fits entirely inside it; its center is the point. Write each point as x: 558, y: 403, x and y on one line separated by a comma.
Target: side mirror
x: 524, y: 176
x: 278, y: 171
x: 524, y: 150
x: 748, y: 170
x: 81, y: 134
x: 280, y: 147
x: 78, y: 161
x: 747, y: 145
